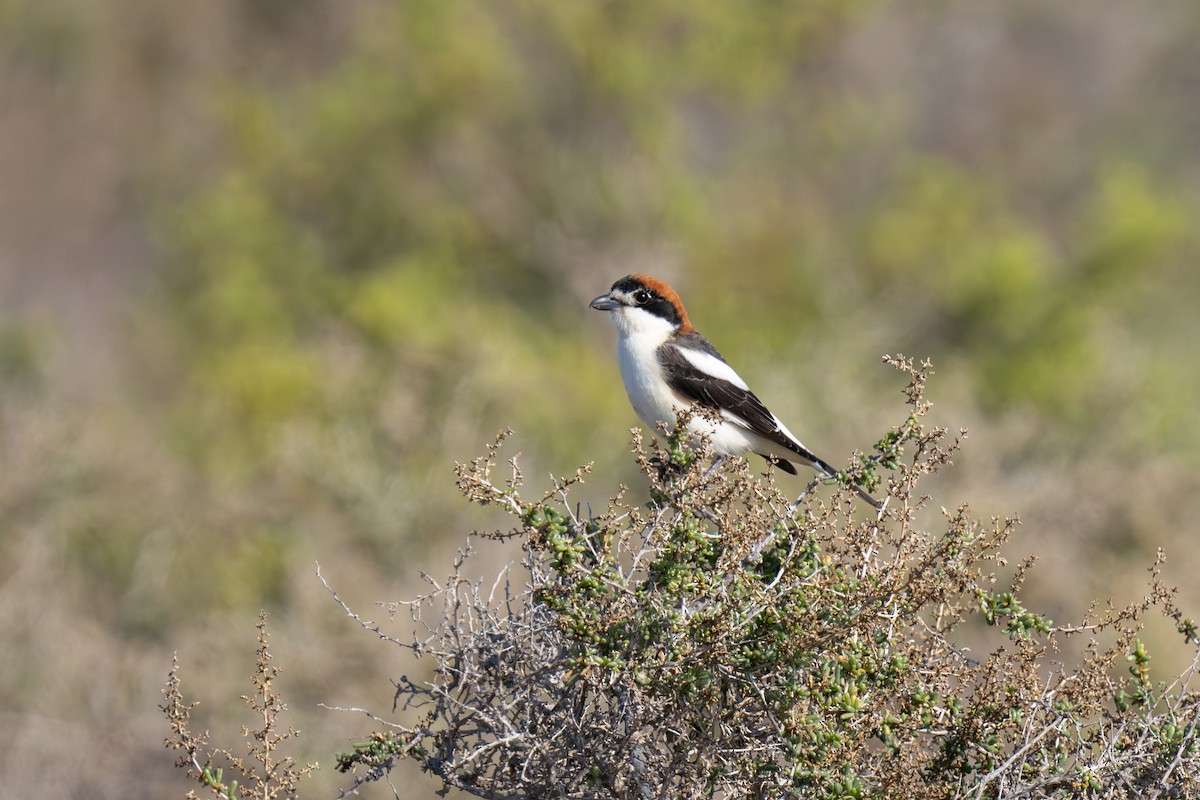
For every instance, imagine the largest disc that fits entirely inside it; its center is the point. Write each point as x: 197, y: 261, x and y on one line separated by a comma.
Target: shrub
x: 722, y: 640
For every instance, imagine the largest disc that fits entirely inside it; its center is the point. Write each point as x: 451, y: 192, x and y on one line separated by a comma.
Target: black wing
x: 700, y: 387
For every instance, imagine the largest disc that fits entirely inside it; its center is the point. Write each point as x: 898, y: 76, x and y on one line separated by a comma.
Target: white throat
x: 640, y: 323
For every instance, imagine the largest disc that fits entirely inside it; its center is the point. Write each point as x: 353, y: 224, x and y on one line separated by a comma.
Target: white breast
x: 639, y: 335
x: 645, y: 384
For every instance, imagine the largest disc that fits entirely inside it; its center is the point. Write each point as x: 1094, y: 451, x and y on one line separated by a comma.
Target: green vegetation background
x: 268, y: 268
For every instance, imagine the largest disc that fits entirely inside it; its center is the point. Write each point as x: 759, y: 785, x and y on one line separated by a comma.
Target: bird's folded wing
x: 695, y: 370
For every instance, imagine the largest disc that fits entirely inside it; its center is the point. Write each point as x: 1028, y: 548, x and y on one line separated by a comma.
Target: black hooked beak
x: 606, y: 302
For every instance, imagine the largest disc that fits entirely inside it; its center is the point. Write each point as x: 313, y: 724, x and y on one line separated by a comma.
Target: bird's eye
x: 642, y: 297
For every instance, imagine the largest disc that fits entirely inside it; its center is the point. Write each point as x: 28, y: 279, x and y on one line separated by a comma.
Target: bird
x: 668, y: 366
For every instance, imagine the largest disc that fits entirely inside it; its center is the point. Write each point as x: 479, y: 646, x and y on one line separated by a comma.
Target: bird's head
x: 640, y: 304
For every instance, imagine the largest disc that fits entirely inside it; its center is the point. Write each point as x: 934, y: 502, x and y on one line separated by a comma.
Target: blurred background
x: 269, y: 267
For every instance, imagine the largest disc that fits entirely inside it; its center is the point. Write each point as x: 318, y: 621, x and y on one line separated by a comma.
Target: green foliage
x: 994, y: 285
x: 1019, y: 623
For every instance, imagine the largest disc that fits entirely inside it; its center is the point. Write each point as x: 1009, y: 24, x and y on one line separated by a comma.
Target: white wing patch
x: 711, y: 365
